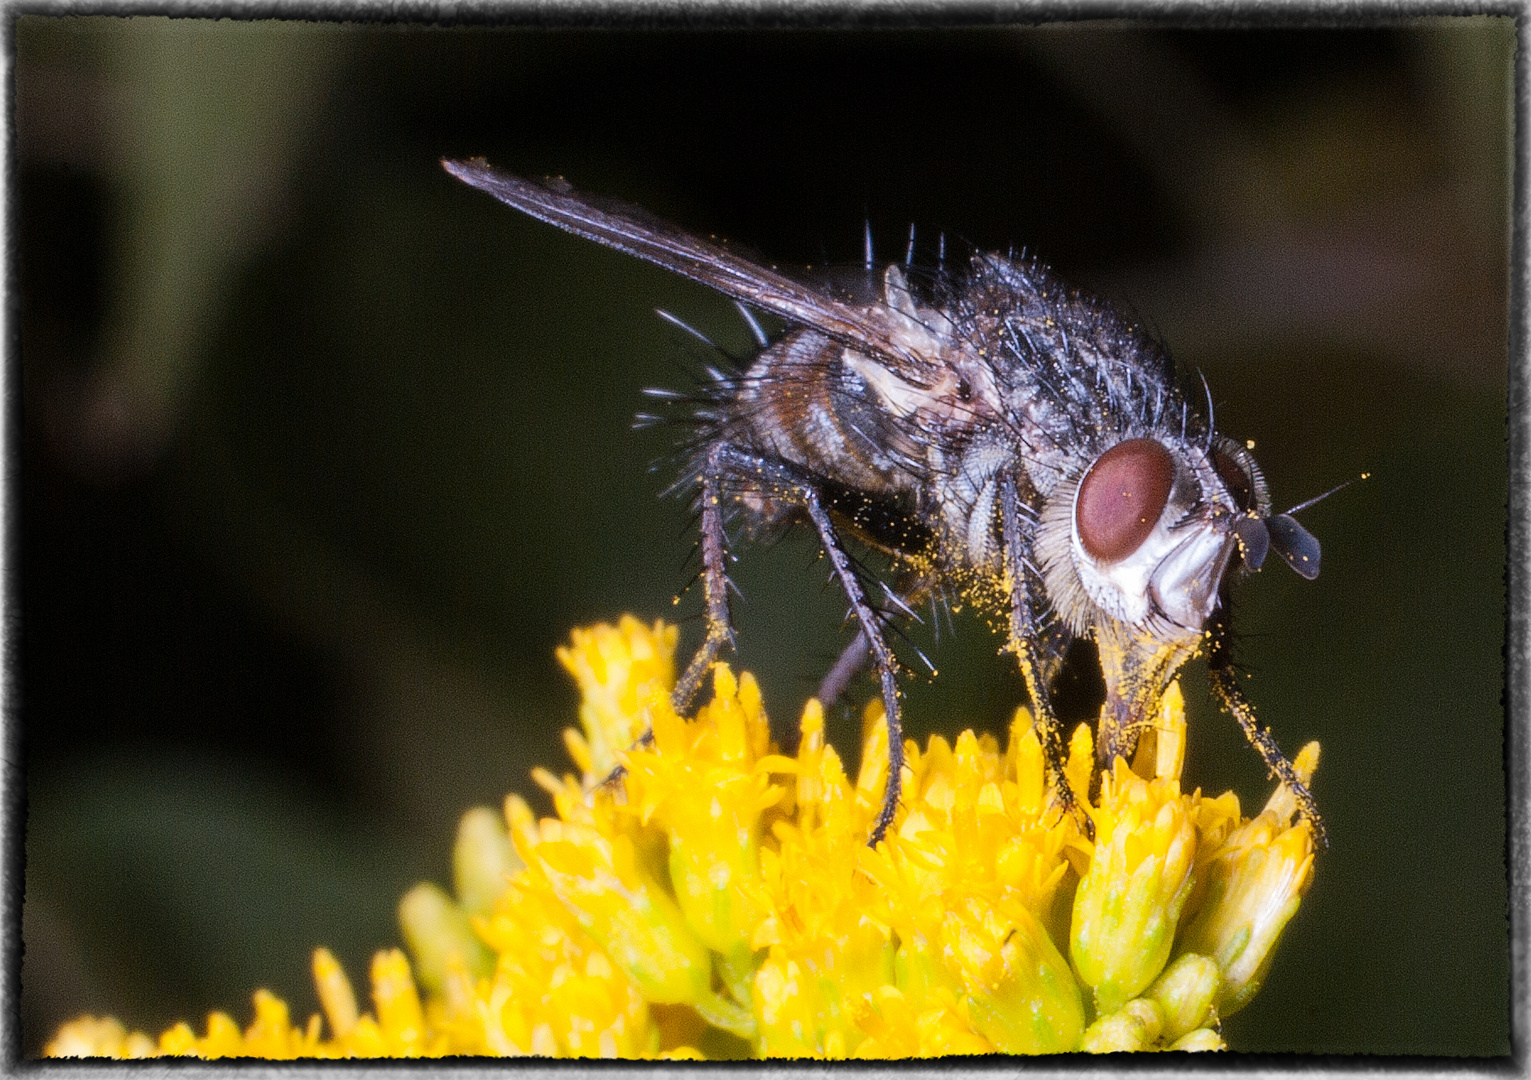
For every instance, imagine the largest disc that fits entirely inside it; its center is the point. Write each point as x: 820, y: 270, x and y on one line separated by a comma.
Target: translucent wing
x: 637, y: 232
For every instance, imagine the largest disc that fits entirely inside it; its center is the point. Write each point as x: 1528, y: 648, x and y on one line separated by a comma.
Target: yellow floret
x: 717, y: 898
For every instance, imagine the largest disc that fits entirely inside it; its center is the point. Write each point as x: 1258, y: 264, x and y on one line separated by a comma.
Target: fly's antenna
x: 909, y: 251
x: 1325, y: 495
x: 867, y: 239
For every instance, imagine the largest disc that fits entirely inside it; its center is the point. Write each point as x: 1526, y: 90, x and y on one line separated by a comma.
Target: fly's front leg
x: 1026, y: 643
x: 1220, y: 670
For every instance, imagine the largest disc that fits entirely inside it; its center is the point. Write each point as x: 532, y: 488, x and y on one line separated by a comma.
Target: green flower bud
x: 1255, y: 883
x: 1128, y: 904
x: 1020, y: 993
x: 482, y: 859
x: 1184, y: 993
x: 629, y: 914
x: 1135, y: 1026
x: 1199, y: 1040
x: 434, y: 928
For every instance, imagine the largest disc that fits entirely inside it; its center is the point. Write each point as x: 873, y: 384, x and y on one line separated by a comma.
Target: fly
x: 995, y: 433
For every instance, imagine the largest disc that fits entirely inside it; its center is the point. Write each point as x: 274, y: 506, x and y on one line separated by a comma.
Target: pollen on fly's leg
x: 1078, y: 688
x: 913, y: 590
x: 1034, y: 659
x: 1220, y: 669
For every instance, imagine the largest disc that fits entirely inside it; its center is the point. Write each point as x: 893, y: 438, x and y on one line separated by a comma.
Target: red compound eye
x: 1121, y: 497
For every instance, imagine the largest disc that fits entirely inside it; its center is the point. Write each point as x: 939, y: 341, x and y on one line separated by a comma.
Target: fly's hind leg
x: 790, y: 484
x: 882, y: 657
x: 726, y: 464
x: 847, y: 666
x: 909, y: 592
x: 885, y: 526
x: 1221, y: 672
x: 1025, y: 642
x: 713, y: 545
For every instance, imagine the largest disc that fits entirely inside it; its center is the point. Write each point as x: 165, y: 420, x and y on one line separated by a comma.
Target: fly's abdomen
x: 800, y: 403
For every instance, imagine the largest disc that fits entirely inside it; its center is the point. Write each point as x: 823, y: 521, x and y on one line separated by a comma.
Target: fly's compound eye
x: 1121, y: 497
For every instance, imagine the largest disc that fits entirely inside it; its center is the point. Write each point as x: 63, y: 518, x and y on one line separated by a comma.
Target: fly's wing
x: 637, y: 232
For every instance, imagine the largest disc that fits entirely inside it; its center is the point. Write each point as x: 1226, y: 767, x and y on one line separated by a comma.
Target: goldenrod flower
x: 1253, y: 882
x: 1128, y: 905
x: 718, y: 899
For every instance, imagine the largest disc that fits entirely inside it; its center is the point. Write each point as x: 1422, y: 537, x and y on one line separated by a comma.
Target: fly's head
x: 1136, y: 544
x: 1154, y: 525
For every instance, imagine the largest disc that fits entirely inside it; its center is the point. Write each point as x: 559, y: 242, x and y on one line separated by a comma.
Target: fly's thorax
x: 1068, y: 367
x: 961, y: 498
x: 863, y: 419
x: 1141, y: 533
x: 950, y: 391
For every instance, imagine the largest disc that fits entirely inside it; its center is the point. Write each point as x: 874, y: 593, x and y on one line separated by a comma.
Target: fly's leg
x: 854, y: 658
x: 849, y: 664
x: 715, y: 585
x: 738, y: 468
x: 790, y: 484
x: 882, y: 655
x: 1026, y: 643
x: 1220, y: 670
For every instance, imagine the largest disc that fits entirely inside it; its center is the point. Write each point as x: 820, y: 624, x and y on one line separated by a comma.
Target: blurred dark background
x: 323, y: 453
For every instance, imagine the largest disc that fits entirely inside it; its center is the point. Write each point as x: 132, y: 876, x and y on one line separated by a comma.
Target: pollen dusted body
x: 995, y: 433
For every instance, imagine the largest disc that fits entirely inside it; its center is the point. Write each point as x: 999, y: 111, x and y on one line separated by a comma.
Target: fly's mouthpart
x: 1254, y: 540
x: 1297, y: 547
x: 1184, y: 584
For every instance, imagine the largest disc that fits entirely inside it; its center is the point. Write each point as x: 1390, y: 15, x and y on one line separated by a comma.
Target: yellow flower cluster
x: 719, y: 900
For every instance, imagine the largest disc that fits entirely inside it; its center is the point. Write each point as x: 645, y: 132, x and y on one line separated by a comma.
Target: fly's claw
x: 614, y: 778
